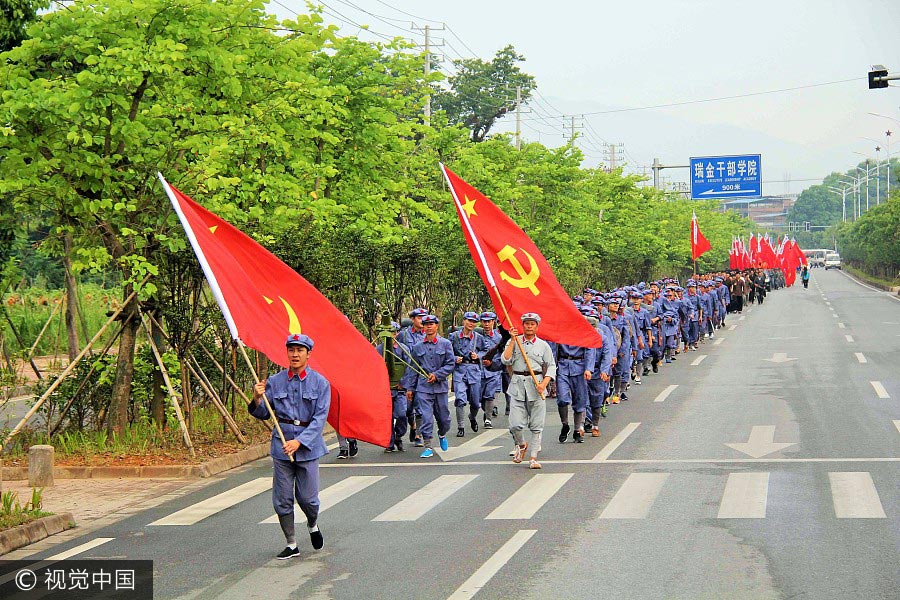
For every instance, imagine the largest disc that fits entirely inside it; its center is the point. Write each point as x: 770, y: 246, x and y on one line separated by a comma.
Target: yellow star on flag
x: 469, y: 207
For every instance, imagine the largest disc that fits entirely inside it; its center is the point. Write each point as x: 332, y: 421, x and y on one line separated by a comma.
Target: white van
x: 832, y: 261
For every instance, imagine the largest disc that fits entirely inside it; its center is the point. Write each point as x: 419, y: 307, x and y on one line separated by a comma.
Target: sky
x: 597, y: 57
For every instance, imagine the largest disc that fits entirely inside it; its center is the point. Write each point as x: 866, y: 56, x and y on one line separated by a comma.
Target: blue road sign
x: 726, y: 177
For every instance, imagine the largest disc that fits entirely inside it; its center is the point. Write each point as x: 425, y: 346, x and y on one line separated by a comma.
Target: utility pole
x: 518, y: 117
x: 427, y: 30
x: 888, y: 134
x: 610, y: 157
x: 572, y: 129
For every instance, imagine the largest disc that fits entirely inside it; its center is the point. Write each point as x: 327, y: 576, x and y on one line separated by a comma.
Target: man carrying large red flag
x: 264, y: 302
x: 699, y: 244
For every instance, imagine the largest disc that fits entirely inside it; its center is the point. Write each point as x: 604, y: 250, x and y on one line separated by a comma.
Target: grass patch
x: 10, y: 521
x: 13, y: 514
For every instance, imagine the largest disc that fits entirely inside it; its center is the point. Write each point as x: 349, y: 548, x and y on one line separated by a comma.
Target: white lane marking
x: 834, y: 315
x: 828, y: 303
x: 859, y: 357
x: 332, y: 446
x: 854, y: 496
x: 732, y: 328
x: 841, y: 326
x: 718, y: 341
x: 473, y: 446
x: 614, y: 443
x: 205, y: 508
x: 491, y: 566
x: 529, y: 498
x: 879, y: 389
x: 849, y: 338
x: 79, y: 549
x: 745, y: 496
x: 742, y: 317
x: 334, y: 494
x: 420, y: 502
x: 635, y: 497
x: 698, y: 360
x: 665, y: 393
x: 897, y: 425
x: 621, y: 461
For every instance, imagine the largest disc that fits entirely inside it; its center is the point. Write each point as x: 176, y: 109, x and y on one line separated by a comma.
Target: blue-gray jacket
x: 305, y: 397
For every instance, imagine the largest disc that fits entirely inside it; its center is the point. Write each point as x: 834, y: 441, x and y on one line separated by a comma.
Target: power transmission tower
x: 612, y: 155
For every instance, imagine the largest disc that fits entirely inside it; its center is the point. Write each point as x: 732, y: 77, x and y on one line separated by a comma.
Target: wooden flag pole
x: 264, y: 398
x: 70, y: 367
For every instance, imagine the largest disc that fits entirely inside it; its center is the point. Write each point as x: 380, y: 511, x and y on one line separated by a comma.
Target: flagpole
x: 490, y: 276
x: 264, y: 398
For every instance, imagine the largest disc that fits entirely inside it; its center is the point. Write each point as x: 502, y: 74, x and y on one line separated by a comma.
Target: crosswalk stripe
x: 859, y: 357
x: 854, y: 496
x: 420, y: 502
x: 491, y: 566
x: 334, y: 494
x: 201, y: 510
x: 665, y: 393
x: 635, y: 497
x: 745, y: 496
x: 614, y: 443
x: 879, y: 389
x: 529, y: 498
x: 79, y: 549
x: 698, y: 360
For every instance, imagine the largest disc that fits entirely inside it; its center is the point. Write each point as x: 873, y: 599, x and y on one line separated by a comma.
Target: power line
x: 407, y: 13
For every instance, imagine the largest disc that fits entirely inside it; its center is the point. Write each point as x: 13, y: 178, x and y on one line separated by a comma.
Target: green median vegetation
x: 13, y: 513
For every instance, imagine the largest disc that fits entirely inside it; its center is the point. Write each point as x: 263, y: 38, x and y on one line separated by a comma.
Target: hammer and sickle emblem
x: 293, y: 321
x: 526, y: 279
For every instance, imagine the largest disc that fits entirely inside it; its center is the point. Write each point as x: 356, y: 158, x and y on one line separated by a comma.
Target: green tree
x: 482, y: 92
x: 15, y: 17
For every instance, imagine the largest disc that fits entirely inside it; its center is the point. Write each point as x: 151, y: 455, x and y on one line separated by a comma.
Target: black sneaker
x: 343, y: 455
x: 564, y: 433
x: 461, y: 432
x: 399, y: 445
x: 354, y: 448
x: 389, y: 449
x: 495, y: 412
x: 577, y: 437
x: 623, y: 396
x: 317, y: 539
x: 287, y: 553
x: 656, y: 367
x: 488, y: 424
x: 474, y: 423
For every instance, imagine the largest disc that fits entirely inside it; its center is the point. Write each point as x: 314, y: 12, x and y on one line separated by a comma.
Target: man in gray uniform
x: 527, y: 405
x: 300, y: 398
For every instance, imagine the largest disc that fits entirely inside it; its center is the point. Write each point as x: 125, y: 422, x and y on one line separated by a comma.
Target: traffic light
x: 878, y: 77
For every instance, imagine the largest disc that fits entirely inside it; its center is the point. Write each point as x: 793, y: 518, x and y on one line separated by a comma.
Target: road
x: 767, y: 469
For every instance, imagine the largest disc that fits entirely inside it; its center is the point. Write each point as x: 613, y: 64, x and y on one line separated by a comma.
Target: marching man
x: 527, y: 405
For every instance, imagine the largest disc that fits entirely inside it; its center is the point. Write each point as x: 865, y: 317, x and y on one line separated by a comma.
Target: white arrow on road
x: 761, y: 442
x: 473, y: 446
x: 779, y: 357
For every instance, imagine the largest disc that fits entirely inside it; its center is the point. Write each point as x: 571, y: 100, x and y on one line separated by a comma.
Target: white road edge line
x: 879, y: 389
x: 492, y: 566
x: 79, y: 549
x: 614, y: 443
x: 698, y: 360
x: 857, y: 281
x: 862, y: 359
x: 665, y: 393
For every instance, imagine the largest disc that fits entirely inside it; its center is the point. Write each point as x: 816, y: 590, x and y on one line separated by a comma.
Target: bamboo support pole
x: 69, y: 368
x: 173, y: 396
x: 40, y: 336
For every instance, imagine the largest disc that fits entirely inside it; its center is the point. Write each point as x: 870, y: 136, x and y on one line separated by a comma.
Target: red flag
x: 264, y: 300
x: 732, y: 255
x: 699, y: 244
x: 767, y: 254
x: 524, y: 281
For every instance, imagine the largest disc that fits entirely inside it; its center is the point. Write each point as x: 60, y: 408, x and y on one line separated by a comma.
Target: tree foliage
x: 872, y: 243
x: 482, y: 92
x: 15, y: 17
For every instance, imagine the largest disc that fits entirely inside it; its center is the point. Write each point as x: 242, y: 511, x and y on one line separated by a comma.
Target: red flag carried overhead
x: 769, y: 260
x: 264, y: 300
x: 699, y: 244
x: 515, y: 272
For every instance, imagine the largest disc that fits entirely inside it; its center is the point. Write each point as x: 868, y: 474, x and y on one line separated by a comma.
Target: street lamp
x: 888, y: 135
x: 843, y: 192
x: 867, y: 177
x: 878, y: 170
x: 855, y: 187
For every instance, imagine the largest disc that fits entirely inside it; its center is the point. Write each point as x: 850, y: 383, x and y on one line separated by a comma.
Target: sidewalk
x: 96, y: 503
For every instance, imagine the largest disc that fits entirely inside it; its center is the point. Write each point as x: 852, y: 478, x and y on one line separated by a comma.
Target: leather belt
x: 294, y: 422
x: 570, y: 357
x: 525, y: 373
x: 469, y: 361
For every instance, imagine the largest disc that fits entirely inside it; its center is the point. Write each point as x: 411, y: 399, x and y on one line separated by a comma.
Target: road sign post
x: 738, y: 176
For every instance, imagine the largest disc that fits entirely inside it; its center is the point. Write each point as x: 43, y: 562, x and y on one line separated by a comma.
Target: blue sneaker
x: 444, y: 444
x: 427, y: 453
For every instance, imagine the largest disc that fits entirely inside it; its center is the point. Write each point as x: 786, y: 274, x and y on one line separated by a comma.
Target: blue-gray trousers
x: 298, y: 479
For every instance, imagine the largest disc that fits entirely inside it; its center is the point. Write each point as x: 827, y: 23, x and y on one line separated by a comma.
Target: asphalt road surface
x: 767, y: 469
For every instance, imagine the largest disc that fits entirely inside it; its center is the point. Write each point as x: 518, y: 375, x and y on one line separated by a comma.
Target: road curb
x: 36, y: 530
x: 203, y: 470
